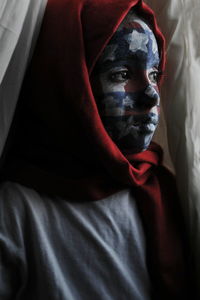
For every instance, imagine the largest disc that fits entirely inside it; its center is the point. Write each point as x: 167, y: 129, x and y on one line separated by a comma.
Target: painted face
x: 125, y: 85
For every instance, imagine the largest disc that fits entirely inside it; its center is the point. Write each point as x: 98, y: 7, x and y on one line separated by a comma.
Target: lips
x: 145, y: 128
x: 144, y: 123
x: 144, y: 119
x: 137, y: 126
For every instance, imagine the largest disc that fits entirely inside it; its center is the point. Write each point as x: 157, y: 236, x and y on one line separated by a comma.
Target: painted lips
x: 144, y: 123
x: 144, y: 128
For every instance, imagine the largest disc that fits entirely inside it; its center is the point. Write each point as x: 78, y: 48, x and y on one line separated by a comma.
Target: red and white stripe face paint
x: 125, y: 85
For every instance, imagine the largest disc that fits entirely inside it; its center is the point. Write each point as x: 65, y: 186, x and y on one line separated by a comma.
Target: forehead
x: 133, y: 40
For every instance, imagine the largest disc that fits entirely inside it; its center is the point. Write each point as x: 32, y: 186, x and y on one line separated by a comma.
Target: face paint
x: 125, y: 85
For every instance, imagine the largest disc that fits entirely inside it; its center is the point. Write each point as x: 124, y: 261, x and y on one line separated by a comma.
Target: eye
x: 154, y: 76
x: 120, y: 76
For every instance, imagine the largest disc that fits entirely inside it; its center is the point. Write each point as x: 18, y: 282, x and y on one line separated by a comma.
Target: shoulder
x: 14, y: 195
x: 13, y: 202
x: 27, y: 208
x: 20, y: 205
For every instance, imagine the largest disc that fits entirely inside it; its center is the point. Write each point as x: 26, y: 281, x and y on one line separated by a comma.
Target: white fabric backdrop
x: 19, y: 24
x: 180, y: 22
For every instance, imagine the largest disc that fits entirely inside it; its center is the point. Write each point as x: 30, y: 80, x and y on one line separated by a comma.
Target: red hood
x: 63, y: 135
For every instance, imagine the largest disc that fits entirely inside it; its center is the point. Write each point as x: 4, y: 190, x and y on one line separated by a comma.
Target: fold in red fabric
x: 60, y: 146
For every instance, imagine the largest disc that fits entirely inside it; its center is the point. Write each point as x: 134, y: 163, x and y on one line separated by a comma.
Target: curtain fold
x: 180, y: 23
x: 19, y: 26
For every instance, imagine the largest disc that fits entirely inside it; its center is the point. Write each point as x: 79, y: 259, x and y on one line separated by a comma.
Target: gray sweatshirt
x: 53, y: 249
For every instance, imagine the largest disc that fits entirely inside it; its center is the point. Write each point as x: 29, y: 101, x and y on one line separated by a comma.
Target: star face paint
x: 125, y: 85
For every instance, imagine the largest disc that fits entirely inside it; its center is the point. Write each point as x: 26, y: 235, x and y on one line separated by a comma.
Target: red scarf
x: 65, y: 150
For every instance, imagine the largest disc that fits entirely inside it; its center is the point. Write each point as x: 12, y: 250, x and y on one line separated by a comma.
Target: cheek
x: 133, y: 86
x: 155, y: 110
x: 96, y: 87
x: 108, y: 87
x: 119, y: 99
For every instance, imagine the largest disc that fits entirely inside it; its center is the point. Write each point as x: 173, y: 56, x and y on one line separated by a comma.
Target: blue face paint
x: 125, y: 85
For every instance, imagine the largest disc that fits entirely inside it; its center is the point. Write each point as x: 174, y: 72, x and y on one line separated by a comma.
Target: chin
x: 130, y: 144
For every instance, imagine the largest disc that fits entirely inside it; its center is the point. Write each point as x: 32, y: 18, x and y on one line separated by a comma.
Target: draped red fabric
x: 64, y: 149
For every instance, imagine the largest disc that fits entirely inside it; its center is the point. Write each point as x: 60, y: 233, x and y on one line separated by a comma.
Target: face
x: 125, y: 85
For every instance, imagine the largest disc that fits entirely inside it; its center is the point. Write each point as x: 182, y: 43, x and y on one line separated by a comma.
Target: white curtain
x: 180, y: 23
x: 20, y: 21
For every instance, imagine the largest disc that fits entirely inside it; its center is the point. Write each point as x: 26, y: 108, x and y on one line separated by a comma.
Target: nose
x: 149, y: 98
x: 151, y: 92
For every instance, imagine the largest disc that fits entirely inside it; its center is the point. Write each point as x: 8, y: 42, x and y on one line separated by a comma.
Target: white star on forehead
x: 151, y: 34
x: 138, y: 41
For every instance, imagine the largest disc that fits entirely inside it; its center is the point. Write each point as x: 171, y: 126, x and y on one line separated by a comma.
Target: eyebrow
x: 119, y: 60
x: 131, y: 60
